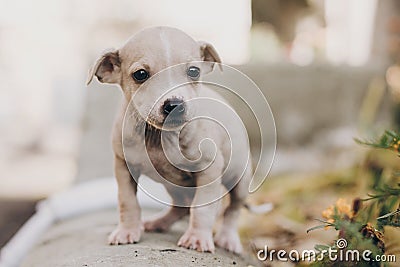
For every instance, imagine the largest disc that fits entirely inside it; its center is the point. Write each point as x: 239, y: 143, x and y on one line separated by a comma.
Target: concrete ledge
x: 81, y: 241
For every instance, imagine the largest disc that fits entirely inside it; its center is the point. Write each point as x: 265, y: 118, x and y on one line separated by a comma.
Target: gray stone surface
x: 95, y: 156
x: 82, y: 242
x: 308, y: 100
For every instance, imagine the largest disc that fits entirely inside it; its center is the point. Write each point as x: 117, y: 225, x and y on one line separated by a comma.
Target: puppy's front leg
x: 130, y: 226
x: 202, y: 218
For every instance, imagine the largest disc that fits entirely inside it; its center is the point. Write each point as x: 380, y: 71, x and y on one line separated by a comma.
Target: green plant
x: 363, y: 223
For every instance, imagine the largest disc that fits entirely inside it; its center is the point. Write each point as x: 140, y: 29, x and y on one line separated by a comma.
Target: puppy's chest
x: 162, y: 168
x: 158, y: 160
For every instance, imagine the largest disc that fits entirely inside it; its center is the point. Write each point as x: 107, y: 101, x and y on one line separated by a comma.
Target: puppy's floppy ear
x: 208, y: 52
x: 107, y: 68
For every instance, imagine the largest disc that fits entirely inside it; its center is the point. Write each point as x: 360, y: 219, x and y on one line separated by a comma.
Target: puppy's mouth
x: 170, y: 116
x: 166, y: 124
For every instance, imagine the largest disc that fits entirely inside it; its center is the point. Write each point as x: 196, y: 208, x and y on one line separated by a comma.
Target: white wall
x: 46, y: 48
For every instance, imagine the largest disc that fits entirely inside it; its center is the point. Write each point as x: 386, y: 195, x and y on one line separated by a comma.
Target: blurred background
x: 329, y: 69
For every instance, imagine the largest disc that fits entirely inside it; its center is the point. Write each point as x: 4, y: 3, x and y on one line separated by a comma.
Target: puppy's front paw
x: 122, y: 235
x: 229, y: 240
x: 199, y: 240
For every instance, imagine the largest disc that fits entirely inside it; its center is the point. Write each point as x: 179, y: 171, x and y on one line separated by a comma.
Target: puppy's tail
x: 259, y: 209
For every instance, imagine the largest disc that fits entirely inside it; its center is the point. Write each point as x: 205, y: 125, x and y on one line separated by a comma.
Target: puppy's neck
x: 152, y: 135
x: 147, y: 132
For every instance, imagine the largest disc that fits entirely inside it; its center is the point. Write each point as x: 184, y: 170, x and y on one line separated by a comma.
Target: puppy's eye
x: 193, y: 72
x: 140, y: 75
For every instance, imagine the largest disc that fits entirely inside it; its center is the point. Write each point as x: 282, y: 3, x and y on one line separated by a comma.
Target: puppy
x: 156, y: 134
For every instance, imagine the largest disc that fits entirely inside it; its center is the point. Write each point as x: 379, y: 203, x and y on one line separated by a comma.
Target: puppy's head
x: 146, y: 61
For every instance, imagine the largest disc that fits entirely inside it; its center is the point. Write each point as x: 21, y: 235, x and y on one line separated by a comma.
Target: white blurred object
x: 224, y: 23
x: 349, y: 30
x: 46, y: 49
x: 260, y: 209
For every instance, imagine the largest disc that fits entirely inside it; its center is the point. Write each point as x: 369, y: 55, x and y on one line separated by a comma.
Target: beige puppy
x: 164, y: 115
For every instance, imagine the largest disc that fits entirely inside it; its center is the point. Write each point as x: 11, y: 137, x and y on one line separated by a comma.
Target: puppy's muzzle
x: 174, y: 111
x: 174, y: 107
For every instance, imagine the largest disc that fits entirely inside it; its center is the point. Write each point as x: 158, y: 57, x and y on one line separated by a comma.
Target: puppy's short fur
x: 154, y: 50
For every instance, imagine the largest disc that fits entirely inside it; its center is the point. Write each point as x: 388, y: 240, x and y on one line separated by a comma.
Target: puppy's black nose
x: 174, y: 104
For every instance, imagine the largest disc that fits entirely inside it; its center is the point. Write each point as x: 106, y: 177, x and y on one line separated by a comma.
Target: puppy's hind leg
x: 163, y: 222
